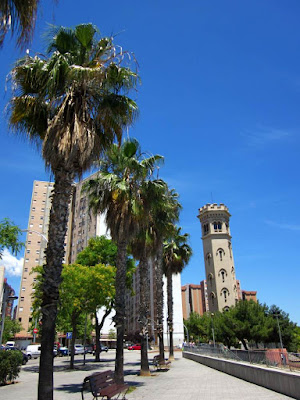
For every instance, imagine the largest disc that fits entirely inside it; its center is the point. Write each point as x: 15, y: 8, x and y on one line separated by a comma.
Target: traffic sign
x: 69, y: 335
x: 35, y: 330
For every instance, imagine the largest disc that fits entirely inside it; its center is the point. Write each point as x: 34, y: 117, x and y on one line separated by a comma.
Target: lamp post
x: 279, y: 331
x: 4, y: 304
x: 213, y: 328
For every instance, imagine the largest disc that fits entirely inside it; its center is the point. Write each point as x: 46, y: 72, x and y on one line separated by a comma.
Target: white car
x: 79, y: 349
x: 33, y: 351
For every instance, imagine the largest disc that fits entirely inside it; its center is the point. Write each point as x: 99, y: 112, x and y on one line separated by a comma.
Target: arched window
x: 225, y: 293
x: 210, y: 278
x: 230, y: 250
x: 208, y: 257
x: 223, y: 274
x: 220, y: 253
x: 212, y: 297
x: 205, y: 229
x: 217, y: 226
x: 232, y: 271
x: 225, y: 309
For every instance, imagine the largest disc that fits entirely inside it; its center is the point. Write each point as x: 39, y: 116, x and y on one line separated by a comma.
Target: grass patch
x: 131, y: 389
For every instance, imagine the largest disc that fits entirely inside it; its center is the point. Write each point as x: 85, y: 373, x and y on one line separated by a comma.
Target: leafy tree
x: 9, y: 237
x: 287, y: 328
x: 11, y: 327
x: 19, y: 16
x: 74, y: 103
x: 104, y: 251
x: 176, y: 255
x: 112, y: 334
x: 117, y: 193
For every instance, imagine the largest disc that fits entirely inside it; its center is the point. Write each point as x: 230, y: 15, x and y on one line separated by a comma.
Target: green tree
x: 74, y: 102
x: 11, y: 327
x: 286, y: 326
x: 117, y: 193
x: 177, y: 254
x: 18, y: 16
x: 104, y: 251
x: 9, y: 237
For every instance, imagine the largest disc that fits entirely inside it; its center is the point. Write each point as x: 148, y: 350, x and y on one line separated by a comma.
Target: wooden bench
x: 160, y: 364
x: 103, y: 384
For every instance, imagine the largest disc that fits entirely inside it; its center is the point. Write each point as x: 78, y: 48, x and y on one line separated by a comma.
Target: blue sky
x: 219, y: 99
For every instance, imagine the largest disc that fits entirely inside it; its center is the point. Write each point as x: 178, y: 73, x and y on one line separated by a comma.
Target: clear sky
x: 220, y: 100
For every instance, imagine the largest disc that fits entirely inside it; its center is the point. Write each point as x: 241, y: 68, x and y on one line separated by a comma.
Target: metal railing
x: 269, y: 357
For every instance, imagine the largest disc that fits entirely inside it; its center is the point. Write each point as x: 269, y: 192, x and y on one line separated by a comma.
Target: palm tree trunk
x: 170, y: 313
x: 52, y: 277
x: 144, y: 312
x: 120, y: 308
x: 160, y: 301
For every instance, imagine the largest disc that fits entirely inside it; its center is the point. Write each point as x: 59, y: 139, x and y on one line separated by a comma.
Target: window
x: 27, y: 260
x: 225, y: 293
x: 210, y: 278
x: 205, y: 229
x: 30, y: 319
x: 30, y: 226
x: 220, y: 253
x: 223, y: 274
x: 33, y: 208
x: 40, y: 225
x: 25, y: 269
x: 21, y: 309
x: 22, y: 298
x: 20, y: 319
x: 36, y: 260
x: 29, y: 242
x: 23, y: 289
x: 37, y: 252
x: 212, y: 297
x: 28, y: 251
x: 42, y: 209
x: 217, y: 226
x: 226, y: 309
x: 208, y: 257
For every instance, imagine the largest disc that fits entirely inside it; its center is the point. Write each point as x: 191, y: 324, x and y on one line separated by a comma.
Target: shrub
x: 10, y: 365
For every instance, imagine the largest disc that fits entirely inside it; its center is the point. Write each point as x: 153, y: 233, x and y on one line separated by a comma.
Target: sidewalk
x: 186, y: 380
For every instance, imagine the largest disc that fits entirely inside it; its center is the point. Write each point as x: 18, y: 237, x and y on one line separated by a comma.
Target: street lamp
x: 213, y: 328
x: 4, y: 304
x: 279, y: 331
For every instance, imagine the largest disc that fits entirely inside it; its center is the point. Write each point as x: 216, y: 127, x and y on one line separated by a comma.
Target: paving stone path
x: 186, y: 380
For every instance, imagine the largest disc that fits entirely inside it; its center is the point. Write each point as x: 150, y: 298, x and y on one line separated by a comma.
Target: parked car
x: 79, y: 349
x: 63, y: 351
x: 89, y: 348
x: 33, y: 351
x: 102, y: 348
x: 10, y: 348
x: 134, y: 347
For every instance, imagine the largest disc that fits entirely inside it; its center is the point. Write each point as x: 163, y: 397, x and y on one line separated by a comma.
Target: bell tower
x: 218, y: 257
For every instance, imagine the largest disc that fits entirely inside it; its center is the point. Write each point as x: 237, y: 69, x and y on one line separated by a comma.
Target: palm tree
x: 74, y: 102
x: 19, y: 16
x: 117, y: 193
x: 143, y: 248
x: 176, y: 255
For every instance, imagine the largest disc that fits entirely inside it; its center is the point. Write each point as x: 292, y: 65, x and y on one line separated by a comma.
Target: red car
x: 134, y: 347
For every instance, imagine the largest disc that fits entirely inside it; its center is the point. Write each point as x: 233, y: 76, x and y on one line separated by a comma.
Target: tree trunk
x: 52, y: 277
x: 74, y: 335
x: 144, y: 312
x: 170, y: 313
x: 120, y: 308
x: 98, y: 328
x: 160, y: 301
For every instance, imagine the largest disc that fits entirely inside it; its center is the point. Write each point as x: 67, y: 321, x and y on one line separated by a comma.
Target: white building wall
x: 178, y: 330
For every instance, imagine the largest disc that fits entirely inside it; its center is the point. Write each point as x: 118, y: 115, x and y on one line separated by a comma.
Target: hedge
x: 10, y: 365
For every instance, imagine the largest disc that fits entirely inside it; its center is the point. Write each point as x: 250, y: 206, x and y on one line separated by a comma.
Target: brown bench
x: 103, y: 384
x: 161, y: 364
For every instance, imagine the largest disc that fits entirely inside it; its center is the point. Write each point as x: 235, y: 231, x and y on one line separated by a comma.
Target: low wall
x: 286, y: 383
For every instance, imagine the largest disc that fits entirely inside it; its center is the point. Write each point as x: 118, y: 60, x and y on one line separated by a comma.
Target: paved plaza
x: 186, y: 380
